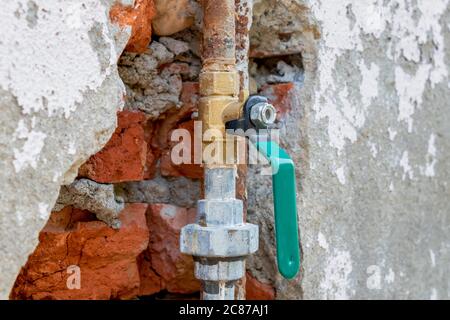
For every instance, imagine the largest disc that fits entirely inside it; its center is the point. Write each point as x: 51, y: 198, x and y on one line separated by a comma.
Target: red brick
x: 106, y: 257
x: 256, y: 290
x: 190, y: 170
x: 150, y: 281
x: 124, y: 158
x: 281, y: 95
x: 175, y: 269
x: 152, y: 155
x: 139, y: 18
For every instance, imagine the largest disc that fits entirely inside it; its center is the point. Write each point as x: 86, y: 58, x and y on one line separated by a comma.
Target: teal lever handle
x: 285, y: 207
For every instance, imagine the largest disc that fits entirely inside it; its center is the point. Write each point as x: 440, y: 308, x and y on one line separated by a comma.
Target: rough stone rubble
x: 148, y: 88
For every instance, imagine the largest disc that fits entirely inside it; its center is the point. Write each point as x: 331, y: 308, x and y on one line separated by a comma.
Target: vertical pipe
x: 218, y: 290
x: 220, y: 184
x: 244, y: 17
x: 219, y: 54
x: 220, y: 240
x: 219, y: 44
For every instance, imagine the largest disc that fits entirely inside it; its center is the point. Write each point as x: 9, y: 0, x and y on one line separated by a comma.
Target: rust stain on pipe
x: 224, y: 80
x: 219, y: 42
x: 219, y: 80
x: 244, y: 14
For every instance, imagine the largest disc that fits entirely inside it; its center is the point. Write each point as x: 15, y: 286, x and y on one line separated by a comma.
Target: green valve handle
x: 285, y: 207
x: 283, y: 184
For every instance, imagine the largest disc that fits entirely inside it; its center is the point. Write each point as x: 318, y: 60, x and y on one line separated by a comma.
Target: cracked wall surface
x: 59, y: 94
x: 370, y: 134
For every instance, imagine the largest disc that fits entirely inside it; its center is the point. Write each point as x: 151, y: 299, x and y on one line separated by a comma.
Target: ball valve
x: 259, y: 115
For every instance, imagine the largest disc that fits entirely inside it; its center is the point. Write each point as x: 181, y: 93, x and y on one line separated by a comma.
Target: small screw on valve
x: 263, y: 115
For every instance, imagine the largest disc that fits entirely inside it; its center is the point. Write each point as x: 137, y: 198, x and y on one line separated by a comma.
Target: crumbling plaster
x: 370, y: 135
x: 59, y: 94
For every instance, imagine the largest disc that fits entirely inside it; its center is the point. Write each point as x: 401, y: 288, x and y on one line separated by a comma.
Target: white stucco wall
x: 59, y: 93
x: 370, y: 135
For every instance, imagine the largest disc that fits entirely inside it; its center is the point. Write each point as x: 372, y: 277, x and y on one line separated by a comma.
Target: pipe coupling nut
x: 263, y: 115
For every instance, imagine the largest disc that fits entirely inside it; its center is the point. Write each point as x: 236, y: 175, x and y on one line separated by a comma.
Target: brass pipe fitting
x: 219, y: 102
x: 220, y: 98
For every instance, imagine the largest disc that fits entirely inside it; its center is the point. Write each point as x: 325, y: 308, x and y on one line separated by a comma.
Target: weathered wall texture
x: 362, y: 89
x: 370, y: 131
x: 59, y: 94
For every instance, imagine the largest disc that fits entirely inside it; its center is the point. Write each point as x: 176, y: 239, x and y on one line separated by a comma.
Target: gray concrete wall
x: 59, y: 94
x: 371, y: 136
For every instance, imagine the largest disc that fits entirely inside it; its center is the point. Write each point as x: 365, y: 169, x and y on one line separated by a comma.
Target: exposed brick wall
x: 141, y: 258
x: 124, y: 158
x: 139, y: 18
x: 106, y: 257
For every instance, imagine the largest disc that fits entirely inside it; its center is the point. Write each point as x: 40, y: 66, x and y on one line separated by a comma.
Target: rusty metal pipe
x: 219, y: 38
x: 219, y: 79
x: 244, y: 19
x: 220, y: 239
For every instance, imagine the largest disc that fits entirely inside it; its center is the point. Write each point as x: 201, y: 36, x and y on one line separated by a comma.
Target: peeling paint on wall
x: 374, y: 279
x: 340, y: 174
x: 322, y: 241
x: 28, y: 154
x: 429, y: 169
x: 345, y: 27
x: 59, y: 95
x: 410, y: 88
x: 407, y: 169
x: 377, y: 126
x: 61, y: 69
x: 369, y: 83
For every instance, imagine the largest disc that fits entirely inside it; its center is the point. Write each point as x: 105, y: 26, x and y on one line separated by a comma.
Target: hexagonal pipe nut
x: 263, y: 115
x: 220, y: 212
x: 218, y: 83
x: 219, y: 241
x: 219, y: 270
